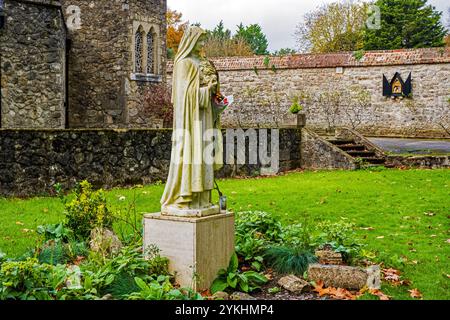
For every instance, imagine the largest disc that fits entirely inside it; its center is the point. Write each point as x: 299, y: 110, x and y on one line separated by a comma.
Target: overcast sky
x: 278, y: 18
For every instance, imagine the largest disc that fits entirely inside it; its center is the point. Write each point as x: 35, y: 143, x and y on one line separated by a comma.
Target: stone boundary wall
x: 317, y: 153
x: 33, y: 161
x: 423, y: 162
x: 263, y: 95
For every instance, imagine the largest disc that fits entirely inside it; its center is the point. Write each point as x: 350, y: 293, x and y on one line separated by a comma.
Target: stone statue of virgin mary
x: 196, y: 143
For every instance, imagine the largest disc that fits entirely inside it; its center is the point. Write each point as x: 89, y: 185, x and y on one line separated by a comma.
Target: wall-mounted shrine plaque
x: 397, y: 87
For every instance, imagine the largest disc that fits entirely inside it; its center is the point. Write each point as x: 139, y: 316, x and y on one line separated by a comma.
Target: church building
x: 79, y: 63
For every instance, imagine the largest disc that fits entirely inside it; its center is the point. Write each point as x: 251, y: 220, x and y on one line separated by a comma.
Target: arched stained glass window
x: 138, y: 51
x: 151, y: 52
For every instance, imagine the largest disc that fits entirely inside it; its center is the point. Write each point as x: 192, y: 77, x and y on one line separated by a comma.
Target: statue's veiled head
x: 192, y: 42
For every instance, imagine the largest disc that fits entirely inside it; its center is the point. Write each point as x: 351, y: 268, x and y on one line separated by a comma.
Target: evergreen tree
x: 406, y: 24
x: 255, y: 37
x: 219, y: 32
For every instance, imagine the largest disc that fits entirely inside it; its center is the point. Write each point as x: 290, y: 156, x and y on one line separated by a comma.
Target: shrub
x: 287, y: 260
x: 260, y: 223
x: 30, y: 280
x: 56, y: 252
x: 87, y: 211
x: 295, y: 108
x: 157, y: 103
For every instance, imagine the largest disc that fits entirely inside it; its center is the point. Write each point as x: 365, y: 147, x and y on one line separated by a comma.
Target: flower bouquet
x: 222, y: 102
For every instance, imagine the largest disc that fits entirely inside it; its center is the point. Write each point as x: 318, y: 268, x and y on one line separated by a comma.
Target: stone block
x: 345, y: 276
x: 329, y: 257
x: 293, y: 284
x: 197, y: 248
x: 241, y: 296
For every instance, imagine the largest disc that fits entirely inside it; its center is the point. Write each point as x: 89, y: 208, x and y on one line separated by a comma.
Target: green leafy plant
x: 232, y: 278
x: 295, y: 107
x: 266, y: 61
x: 30, y: 280
x: 161, y: 289
x: 55, y: 232
x: 250, y: 248
x: 262, y: 224
x: 287, y: 260
x: 359, y: 54
x: 56, y: 252
x: 274, y: 290
x: 341, y: 237
x: 87, y: 211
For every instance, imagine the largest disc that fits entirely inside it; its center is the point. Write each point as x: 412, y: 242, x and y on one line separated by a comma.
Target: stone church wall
x: 103, y: 92
x: 32, y: 62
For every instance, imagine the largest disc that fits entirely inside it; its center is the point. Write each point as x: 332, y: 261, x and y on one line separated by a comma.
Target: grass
x: 402, y: 215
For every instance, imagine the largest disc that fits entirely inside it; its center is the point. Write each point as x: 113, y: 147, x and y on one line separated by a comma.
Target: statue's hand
x: 212, y: 86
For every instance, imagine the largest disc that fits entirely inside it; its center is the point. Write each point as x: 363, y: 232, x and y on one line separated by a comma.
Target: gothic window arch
x: 139, y: 51
x: 146, y: 52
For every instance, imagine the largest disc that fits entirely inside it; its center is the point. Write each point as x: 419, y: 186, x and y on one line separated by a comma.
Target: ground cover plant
x: 402, y: 216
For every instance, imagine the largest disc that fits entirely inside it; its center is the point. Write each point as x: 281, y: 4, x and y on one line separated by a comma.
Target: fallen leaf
x: 393, y: 276
x: 206, y: 293
x: 380, y: 237
x: 368, y: 228
x: 430, y: 214
x: 415, y: 293
x: 335, y: 293
x: 78, y: 260
x: 19, y: 223
x: 379, y: 294
x: 45, y: 210
x: 27, y: 230
x: 269, y: 276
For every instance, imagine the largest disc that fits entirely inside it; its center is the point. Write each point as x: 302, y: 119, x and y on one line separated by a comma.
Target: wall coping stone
x: 332, y: 60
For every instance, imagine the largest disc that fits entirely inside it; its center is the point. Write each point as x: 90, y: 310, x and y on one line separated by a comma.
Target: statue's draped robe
x: 190, y: 177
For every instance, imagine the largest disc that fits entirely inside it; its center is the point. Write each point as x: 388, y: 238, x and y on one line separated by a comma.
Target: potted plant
x: 295, y: 118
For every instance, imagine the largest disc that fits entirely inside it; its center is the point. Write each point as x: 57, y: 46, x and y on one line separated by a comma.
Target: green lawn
x: 408, y: 209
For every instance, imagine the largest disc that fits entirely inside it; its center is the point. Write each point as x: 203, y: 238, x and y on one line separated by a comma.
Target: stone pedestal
x: 197, y: 248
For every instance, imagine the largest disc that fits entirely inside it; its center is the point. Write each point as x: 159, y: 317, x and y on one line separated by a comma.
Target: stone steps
x: 356, y: 150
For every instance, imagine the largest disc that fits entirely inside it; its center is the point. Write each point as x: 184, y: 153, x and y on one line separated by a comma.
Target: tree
x: 284, y: 52
x: 175, y: 31
x: 333, y: 27
x: 254, y: 36
x: 406, y: 24
x: 447, y: 38
x: 219, y: 32
x: 217, y: 47
x: 220, y: 43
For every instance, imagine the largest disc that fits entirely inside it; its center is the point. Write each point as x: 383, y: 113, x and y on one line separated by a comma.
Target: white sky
x: 278, y: 18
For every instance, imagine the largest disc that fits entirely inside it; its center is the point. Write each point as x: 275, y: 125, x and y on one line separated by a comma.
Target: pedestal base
x: 192, y: 213
x: 197, y: 248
